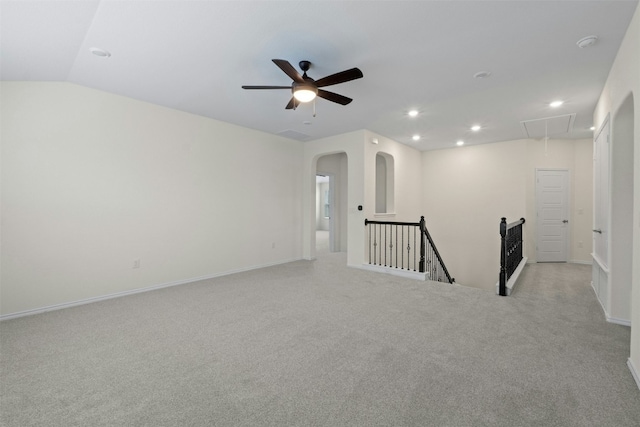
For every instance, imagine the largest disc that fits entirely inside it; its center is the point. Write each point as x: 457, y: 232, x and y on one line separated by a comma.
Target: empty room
x: 319, y: 213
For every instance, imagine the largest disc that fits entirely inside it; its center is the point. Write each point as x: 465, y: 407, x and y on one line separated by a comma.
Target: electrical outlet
x: 136, y: 263
x: 580, y: 244
x: 273, y: 245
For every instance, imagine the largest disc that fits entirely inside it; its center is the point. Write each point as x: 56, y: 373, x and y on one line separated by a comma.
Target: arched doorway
x: 331, y: 203
x: 622, y: 176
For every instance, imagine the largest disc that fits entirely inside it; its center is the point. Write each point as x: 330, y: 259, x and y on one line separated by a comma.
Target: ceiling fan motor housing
x: 308, y: 85
x: 304, y: 65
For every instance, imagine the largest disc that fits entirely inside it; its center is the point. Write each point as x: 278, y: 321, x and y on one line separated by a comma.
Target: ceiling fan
x: 305, y: 89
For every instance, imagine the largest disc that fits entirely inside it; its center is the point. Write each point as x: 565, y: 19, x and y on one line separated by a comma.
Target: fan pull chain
x: 314, y: 107
x: 546, y: 139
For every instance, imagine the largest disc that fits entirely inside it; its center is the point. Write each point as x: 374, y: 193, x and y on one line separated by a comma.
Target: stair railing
x: 431, y: 260
x: 510, y: 251
x: 406, y: 246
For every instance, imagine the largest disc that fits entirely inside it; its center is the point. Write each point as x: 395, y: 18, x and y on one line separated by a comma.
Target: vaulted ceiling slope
x: 194, y: 56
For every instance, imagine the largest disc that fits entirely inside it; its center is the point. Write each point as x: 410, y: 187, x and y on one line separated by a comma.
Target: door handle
x: 565, y: 221
x: 597, y: 231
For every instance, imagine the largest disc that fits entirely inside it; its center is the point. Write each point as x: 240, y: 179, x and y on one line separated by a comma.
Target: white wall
x: 623, y: 81
x: 351, y: 144
x: 407, y: 186
x: 577, y: 157
x: 361, y: 160
x: 467, y: 190
x: 93, y: 181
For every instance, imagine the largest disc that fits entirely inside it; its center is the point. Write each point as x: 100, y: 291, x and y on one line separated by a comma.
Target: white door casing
x: 552, y: 202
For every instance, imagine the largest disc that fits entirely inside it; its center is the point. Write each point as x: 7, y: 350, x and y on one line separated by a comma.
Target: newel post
x: 502, y: 290
x: 423, y: 229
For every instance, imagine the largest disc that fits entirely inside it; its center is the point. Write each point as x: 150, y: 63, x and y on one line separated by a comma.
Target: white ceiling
x: 194, y: 56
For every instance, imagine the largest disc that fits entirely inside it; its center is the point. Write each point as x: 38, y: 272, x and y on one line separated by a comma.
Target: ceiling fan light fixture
x: 304, y: 92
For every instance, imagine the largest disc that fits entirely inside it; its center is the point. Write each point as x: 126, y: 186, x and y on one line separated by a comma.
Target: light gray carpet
x: 320, y: 344
x: 322, y: 242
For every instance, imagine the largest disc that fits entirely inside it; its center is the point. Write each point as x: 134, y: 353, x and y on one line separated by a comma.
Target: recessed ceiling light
x: 555, y: 104
x: 413, y: 113
x: 459, y: 143
x: 476, y: 128
x: 100, y: 52
x: 416, y: 137
x: 482, y: 74
x: 592, y: 128
x: 587, y: 41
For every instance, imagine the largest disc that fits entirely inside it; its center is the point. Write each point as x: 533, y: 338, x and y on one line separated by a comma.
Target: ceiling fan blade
x: 266, y: 87
x: 341, y: 77
x: 293, y: 104
x: 288, y: 70
x: 334, y: 97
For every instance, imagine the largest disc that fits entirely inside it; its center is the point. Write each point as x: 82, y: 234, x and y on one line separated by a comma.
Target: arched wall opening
x: 622, y: 177
x: 351, y: 144
x: 335, y: 165
x: 385, y: 183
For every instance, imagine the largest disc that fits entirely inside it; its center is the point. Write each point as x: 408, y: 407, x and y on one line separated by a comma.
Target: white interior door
x: 601, y: 197
x: 552, y: 194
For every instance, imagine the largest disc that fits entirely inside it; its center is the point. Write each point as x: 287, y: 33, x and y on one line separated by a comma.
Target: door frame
x: 332, y: 211
x: 567, y: 240
x: 602, y: 196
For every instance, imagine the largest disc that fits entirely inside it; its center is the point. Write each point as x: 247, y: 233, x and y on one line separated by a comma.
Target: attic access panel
x: 548, y: 126
x: 294, y: 134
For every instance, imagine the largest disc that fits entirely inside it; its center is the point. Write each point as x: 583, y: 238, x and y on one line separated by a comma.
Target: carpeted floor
x: 319, y: 344
x: 322, y: 242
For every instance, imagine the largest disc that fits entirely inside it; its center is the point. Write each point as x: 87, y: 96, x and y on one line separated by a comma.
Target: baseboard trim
x: 617, y: 321
x: 91, y: 300
x: 634, y: 372
x: 607, y: 317
x: 572, y: 261
x: 393, y: 271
